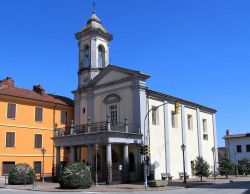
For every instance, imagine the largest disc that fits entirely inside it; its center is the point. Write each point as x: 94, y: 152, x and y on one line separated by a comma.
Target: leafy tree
x: 244, y: 166
x: 201, y: 167
x: 226, y: 167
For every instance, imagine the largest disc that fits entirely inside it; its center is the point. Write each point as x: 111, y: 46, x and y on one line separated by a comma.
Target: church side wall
x: 175, y: 142
x: 157, y: 140
x: 208, y: 144
x: 191, y: 139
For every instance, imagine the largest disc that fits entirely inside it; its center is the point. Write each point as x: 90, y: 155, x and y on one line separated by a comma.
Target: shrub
x: 21, y: 174
x: 75, y: 176
x: 226, y: 167
x: 201, y: 167
x: 244, y: 166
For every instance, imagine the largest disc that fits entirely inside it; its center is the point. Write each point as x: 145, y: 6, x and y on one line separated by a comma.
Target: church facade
x: 115, y: 113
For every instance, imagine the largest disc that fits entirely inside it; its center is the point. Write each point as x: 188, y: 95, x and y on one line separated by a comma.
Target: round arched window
x: 101, y: 57
x: 86, y: 57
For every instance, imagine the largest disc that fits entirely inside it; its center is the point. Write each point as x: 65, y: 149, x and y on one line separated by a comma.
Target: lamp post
x: 96, y: 152
x: 213, y: 150
x: 183, y: 148
x: 43, y: 150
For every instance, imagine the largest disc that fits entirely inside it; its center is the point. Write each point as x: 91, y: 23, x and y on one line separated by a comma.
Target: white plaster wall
x: 233, y: 142
x: 191, y: 139
x: 175, y: 141
x: 207, y: 144
x: 157, y: 141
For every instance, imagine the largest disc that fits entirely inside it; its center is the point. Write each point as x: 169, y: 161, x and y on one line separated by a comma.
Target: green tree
x: 201, y: 167
x: 244, y: 166
x: 226, y: 167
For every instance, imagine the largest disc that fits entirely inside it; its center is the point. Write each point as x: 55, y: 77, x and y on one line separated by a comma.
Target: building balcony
x: 98, y: 132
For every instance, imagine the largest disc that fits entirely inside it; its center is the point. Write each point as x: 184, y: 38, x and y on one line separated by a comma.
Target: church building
x: 115, y: 113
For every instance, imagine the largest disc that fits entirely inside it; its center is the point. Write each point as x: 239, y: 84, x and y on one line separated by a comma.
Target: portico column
x: 72, y: 154
x: 125, y: 155
x: 125, y: 168
x: 109, y: 161
x: 58, y: 161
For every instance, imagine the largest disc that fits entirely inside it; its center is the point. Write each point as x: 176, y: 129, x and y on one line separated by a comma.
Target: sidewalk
x: 195, y: 182
x: 173, y: 185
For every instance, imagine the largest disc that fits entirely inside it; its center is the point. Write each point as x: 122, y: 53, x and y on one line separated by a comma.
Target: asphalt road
x: 242, y: 187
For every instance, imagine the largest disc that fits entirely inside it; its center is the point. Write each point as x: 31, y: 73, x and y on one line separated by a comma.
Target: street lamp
x: 96, y: 152
x: 43, y: 150
x: 213, y: 150
x: 183, y: 148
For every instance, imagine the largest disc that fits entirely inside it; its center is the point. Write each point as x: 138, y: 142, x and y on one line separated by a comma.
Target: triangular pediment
x: 113, y: 74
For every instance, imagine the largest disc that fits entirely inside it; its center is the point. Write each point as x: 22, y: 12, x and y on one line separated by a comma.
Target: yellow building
x: 27, y: 122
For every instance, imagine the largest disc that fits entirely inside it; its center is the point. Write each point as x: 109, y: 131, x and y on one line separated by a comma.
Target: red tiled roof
x: 30, y: 94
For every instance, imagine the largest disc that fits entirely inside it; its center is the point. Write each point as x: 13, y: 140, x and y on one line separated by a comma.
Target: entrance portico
x: 106, y: 149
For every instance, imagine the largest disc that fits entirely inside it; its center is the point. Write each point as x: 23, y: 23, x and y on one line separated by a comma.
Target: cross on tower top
x: 93, y: 6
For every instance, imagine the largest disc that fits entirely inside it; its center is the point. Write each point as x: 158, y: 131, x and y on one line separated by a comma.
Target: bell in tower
x: 93, y: 42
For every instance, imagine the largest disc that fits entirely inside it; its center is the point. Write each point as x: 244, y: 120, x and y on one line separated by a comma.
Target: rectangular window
x: 11, y: 112
x: 190, y: 122
x: 6, y: 167
x: 154, y: 116
x: 64, y: 117
x: 205, y: 137
x: 113, y: 114
x: 39, y: 114
x: 38, y: 140
x: 38, y: 167
x: 238, y: 148
x: 248, y: 147
x: 174, y: 120
x: 10, y: 139
x: 204, y: 125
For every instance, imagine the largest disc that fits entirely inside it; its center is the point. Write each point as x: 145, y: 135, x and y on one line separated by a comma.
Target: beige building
x: 116, y: 112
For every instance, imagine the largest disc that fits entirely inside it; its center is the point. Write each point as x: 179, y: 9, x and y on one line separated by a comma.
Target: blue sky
x: 196, y: 50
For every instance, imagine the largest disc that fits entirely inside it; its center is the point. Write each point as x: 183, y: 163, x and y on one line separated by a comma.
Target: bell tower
x: 93, y: 43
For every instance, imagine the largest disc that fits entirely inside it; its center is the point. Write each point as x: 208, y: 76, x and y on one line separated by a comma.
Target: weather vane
x: 93, y: 6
